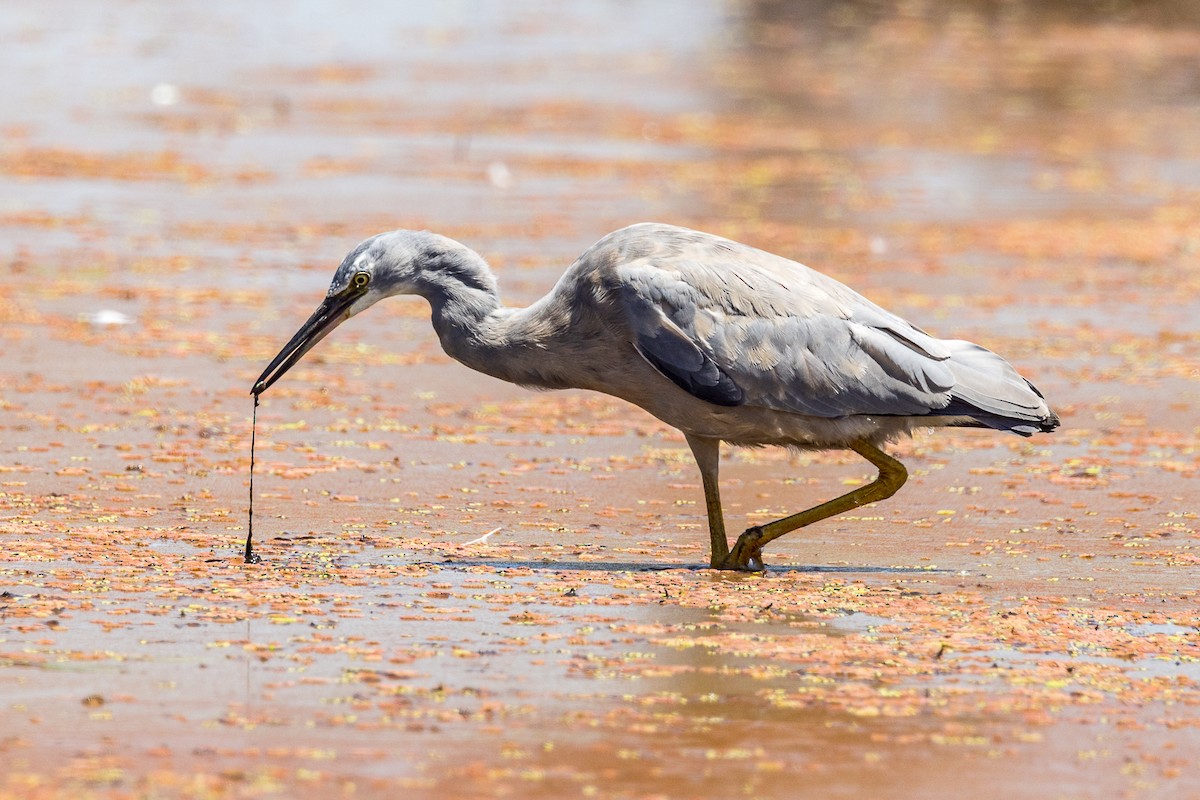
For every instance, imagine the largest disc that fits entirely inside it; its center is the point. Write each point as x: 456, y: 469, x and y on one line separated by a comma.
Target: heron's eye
x: 361, y: 279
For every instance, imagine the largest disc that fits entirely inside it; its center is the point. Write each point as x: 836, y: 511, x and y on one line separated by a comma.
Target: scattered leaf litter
x: 1023, y: 613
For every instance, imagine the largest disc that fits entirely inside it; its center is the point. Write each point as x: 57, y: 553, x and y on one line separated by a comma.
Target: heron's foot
x: 746, y: 555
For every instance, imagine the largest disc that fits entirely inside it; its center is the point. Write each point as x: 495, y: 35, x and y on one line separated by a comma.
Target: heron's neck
x: 461, y: 290
x: 513, y: 344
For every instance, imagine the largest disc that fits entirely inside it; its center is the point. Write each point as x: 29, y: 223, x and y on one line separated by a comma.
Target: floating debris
x: 106, y: 317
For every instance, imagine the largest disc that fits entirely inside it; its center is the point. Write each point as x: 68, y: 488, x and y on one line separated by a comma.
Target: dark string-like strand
x: 251, y: 557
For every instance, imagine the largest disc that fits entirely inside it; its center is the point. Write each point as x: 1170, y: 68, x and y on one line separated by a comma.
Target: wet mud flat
x: 468, y: 590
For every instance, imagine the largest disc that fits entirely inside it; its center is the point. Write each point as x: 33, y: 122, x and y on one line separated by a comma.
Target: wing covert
x: 735, y: 325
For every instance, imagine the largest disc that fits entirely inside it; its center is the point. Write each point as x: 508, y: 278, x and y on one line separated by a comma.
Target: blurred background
x: 1025, y: 156
x: 179, y: 180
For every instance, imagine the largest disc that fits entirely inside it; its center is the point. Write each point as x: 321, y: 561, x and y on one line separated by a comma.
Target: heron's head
x: 384, y: 265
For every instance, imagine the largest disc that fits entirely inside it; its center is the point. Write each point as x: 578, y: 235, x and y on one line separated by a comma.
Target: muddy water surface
x: 468, y: 590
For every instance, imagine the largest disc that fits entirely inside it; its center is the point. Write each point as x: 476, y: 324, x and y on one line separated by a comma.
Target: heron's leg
x: 747, y: 552
x: 708, y: 458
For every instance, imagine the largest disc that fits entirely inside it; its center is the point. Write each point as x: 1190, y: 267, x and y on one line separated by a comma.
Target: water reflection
x: 1006, y: 108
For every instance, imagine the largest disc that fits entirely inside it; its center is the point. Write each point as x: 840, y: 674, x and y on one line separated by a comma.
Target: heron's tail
x: 989, y: 391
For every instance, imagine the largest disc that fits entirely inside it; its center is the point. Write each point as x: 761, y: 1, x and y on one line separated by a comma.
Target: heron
x: 720, y: 340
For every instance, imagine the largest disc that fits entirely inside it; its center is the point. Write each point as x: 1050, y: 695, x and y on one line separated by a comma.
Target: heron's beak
x: 333, y: 311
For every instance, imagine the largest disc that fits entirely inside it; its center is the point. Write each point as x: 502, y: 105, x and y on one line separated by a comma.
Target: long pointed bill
x: 332, y: 312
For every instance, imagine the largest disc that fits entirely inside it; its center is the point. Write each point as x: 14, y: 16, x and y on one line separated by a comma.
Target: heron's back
x: 722, y: 339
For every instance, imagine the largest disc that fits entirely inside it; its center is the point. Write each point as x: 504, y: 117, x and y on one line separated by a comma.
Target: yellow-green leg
x: 747, y: 552
x: 708, y: 458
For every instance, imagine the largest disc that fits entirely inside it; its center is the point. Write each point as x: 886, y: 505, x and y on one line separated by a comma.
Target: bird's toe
x: 746, y: 555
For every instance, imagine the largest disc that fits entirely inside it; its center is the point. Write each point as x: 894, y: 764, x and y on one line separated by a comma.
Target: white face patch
x: 362, y: 304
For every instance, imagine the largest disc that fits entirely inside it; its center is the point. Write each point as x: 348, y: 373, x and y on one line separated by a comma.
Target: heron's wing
x: 688, y: 363
x: 994, y: 393
x: 735, y: 325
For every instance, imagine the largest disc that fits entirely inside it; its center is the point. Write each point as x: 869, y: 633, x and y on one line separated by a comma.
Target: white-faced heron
x: 725, y: 342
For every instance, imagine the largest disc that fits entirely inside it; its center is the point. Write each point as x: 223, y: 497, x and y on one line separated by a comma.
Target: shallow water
x: 1021, y: 617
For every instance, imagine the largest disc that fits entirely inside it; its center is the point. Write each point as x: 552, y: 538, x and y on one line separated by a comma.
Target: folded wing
x: 734, y: 325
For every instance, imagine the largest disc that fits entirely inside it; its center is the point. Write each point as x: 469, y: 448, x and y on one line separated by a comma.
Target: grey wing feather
x: 784, y: 336
x: 687, y: 363
x: 735, y: 325
x: 988, y: 389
